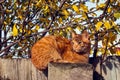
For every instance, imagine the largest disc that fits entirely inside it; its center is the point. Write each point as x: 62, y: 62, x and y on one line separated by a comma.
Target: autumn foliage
x: 23, y: 22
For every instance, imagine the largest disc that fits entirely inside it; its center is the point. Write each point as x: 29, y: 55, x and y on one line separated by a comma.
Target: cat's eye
x: 72, y: 42
x: 79, y: 42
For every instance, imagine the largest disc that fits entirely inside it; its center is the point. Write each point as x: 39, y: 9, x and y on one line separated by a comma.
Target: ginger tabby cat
x: 58, y: 49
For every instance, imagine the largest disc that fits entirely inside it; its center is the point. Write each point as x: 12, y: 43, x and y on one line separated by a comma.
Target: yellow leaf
x: 15, y: 30
x: 75, y: 8
x: 83, y: 16
x: 92, y: 1
x: 24, y: 41
x: 8, y: 11
x: 15, y: 5
x: 60, y: 20
x: 78, y: 27
x: 43, y: 19
x: 66, y: 13
x: 101, y: 51
x: 33, y: 30
x: 112, y: 1
x: 61, y: 33
x: 21, y: 30
x: 112, y: 36
x: 98, y: 25
x: 118, y: 51
x: 109, y: 10
x: 102, y: 5
x: 117, y: 15
x: 20, y: 16
x: 83, y: 8
x: 37, y: 27
x: 5, y: 22
x: 107, y: 25
x: 14, y: 1
x: 38, y: 3
x: 46, y: 9
x: 29, y: 32
x: 113, y: 23
x: 24, y: 8
x: 69, y: 29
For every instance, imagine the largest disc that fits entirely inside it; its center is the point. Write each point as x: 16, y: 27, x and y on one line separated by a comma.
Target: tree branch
x: 45, y: 31
x: 96, y: 46
x: 54, y: 16
x: 8, y: 47
x: 114, y: 44
x: 105, y: 9
x: 1, y: 22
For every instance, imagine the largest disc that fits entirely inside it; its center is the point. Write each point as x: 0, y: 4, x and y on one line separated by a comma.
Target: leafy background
x: 23, y: 22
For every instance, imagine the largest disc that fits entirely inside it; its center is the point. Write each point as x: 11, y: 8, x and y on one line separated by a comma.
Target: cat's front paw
x: 62, y: 61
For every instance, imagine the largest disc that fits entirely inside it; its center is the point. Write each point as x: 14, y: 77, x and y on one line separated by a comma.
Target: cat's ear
x: 73, y: 34
x: 85, y: 36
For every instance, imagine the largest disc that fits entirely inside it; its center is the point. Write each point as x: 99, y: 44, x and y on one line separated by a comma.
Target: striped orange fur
x: 58, y: 49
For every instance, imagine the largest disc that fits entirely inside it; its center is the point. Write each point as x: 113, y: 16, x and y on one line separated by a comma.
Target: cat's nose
x: 82, y: 45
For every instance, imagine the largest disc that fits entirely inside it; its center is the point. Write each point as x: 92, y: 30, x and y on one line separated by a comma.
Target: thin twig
x: 9, y: 46
x: 114, y: 45
x: 59, y: 28
x: 96, y: 34
x: 54, y: 16
x: 105, y: 9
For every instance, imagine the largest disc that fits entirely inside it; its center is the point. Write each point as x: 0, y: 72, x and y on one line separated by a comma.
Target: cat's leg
x: 62, y: 61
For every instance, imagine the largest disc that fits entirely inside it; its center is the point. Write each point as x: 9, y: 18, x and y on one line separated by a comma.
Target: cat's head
x: 80, y: 42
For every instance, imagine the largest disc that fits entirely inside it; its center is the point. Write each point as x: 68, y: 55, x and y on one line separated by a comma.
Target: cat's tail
x: 42, y: 59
